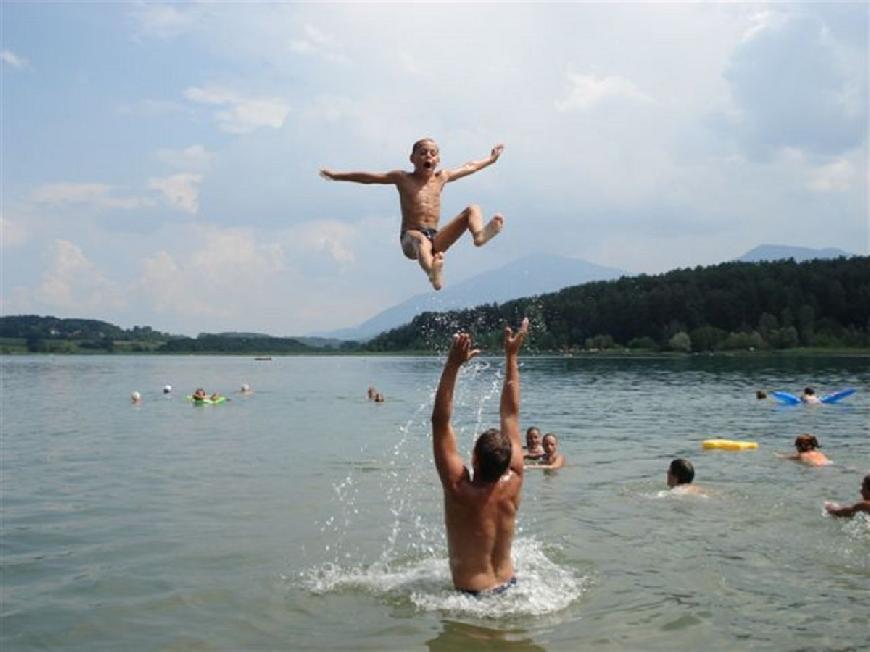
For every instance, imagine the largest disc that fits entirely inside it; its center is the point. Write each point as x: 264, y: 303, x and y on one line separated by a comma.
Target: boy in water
x: 680, y: 476
x: 480, y: 511
x: 861, y: 506
x: 809, y: 397
x: 533, y: 450
x: 420, y: 201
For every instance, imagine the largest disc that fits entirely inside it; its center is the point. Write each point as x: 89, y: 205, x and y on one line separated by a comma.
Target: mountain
x: 525, y: 277
x: 782, y: 252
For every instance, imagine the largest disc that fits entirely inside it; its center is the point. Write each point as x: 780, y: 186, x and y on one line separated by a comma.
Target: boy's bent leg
x: 471, y: 219
x: 488, y: 232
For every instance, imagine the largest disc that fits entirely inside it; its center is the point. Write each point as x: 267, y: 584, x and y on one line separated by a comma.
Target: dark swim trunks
x: 409, y: 245
x: 429, y: 233
x: 496, y: 591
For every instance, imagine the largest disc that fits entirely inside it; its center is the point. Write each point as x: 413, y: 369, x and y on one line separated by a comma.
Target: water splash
x: 543, y: 587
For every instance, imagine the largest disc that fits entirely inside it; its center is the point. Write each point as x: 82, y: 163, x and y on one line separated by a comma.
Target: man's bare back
x: 480, y: 512
x: 420, y: 201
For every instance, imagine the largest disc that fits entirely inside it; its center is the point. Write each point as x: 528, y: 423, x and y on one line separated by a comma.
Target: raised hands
x: 462, y: 350
x: 513, y: 342
x: 496, y: 152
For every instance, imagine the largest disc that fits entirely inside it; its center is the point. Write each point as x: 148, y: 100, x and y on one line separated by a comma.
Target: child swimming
x: 807, y: 451
x: 862, y: 505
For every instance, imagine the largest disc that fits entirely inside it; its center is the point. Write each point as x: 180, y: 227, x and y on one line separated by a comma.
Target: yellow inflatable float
x: 729, y: 444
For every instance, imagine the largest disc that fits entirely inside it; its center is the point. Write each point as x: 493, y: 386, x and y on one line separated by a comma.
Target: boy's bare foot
x: 435, y: 272
x: 489, y: 231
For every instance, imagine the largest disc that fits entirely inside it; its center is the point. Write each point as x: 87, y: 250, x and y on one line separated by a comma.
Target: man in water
x: 480, y: 511
x: 862, y: 505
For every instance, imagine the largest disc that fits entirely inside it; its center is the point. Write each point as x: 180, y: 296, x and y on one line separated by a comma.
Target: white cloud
x: 241, y: 115
x: 72, y: 282
x: 162, y: 20
x: 14, y: 60
x: 95, y: 194
x: 318, y: 43
x: 195, y: 157
x: 332, y: 238
x: 228, y: 273
x: 587, y: 91
x: 12, y: 234
x: 180, y: 190
x: 833, y: 177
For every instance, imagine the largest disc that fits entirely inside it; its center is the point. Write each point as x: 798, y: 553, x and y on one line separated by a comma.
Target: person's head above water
x: 533, y: 438
x: 492, y: 455
x: 680, y: 472
x: 809, y: 391
x: 806, y: 443
x: 135, y: 397
x: 425, y: 155
x: 760, y: 394
x: 550, y: 442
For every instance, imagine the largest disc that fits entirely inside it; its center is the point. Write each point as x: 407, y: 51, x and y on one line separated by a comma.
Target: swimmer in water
x: 807, y: 451
x: 135, y: 398
x: 480, y: 511
x: 551, y: 459
x: 533, y: 449
x: 420, y: 202
x: 681, y: 473
x: 862, y: 505
x: 809, y: 397
x: 199, y: 394
x: 760, y: 394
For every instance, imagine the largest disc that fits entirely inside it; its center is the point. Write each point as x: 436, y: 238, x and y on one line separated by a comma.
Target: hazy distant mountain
x: 525, y: 277
x: 781, y: 252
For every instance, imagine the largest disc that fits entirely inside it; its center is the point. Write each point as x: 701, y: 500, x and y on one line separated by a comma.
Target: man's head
x: 533, y: 438
x: 865, y: 487
x: 550, y: 442
x: 425, y: 155
x: 492, y: 455
x: 809, y: 391
x: 680, y: 472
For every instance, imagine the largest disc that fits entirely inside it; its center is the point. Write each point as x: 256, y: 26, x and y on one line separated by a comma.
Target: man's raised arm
x: 448, y: 461
x: 474, y: 166
x: 510, y: 394
x: 361, y: 177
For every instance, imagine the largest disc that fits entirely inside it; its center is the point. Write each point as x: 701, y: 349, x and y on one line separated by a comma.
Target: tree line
x: 730, y: 306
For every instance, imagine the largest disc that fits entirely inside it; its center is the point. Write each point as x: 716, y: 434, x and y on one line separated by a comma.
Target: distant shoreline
x: 613, y: 354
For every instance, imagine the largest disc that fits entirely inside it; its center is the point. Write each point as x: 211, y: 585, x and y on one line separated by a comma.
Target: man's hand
x: 512, y: 343
x: 496, y: 152
x: 327, y: 174
x: 461, y: 351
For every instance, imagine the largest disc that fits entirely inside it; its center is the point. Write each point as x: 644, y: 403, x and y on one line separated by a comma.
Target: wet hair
x: 553, y: 435
x: 492, y: 451
x: 760, y: 394
x: 682, y: 470
x: 530, y: 430
x: 420, y: 142
x: 806, y: 442
x: 809, y: 391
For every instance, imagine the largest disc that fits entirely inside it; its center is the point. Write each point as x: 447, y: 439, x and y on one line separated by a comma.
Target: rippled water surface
x: 304, y: 517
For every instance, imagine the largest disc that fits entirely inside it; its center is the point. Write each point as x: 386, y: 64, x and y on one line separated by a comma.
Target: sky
x: 159, y: 160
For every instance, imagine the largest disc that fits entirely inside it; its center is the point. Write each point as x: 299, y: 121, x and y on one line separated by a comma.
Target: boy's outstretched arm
x: 473, y: 166
x: 361, y: 177
x: 509, y: 410
x: 448, y: 461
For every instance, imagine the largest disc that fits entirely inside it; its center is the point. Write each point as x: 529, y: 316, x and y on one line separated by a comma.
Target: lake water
x: 304, y: 517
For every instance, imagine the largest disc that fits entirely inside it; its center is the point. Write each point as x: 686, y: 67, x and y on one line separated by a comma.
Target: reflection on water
x: 459, y: 637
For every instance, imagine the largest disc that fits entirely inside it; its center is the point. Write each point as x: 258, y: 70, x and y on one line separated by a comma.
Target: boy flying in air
x: 420, y: 201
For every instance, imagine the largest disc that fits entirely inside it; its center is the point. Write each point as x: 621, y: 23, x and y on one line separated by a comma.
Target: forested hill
x: 783, y: 304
